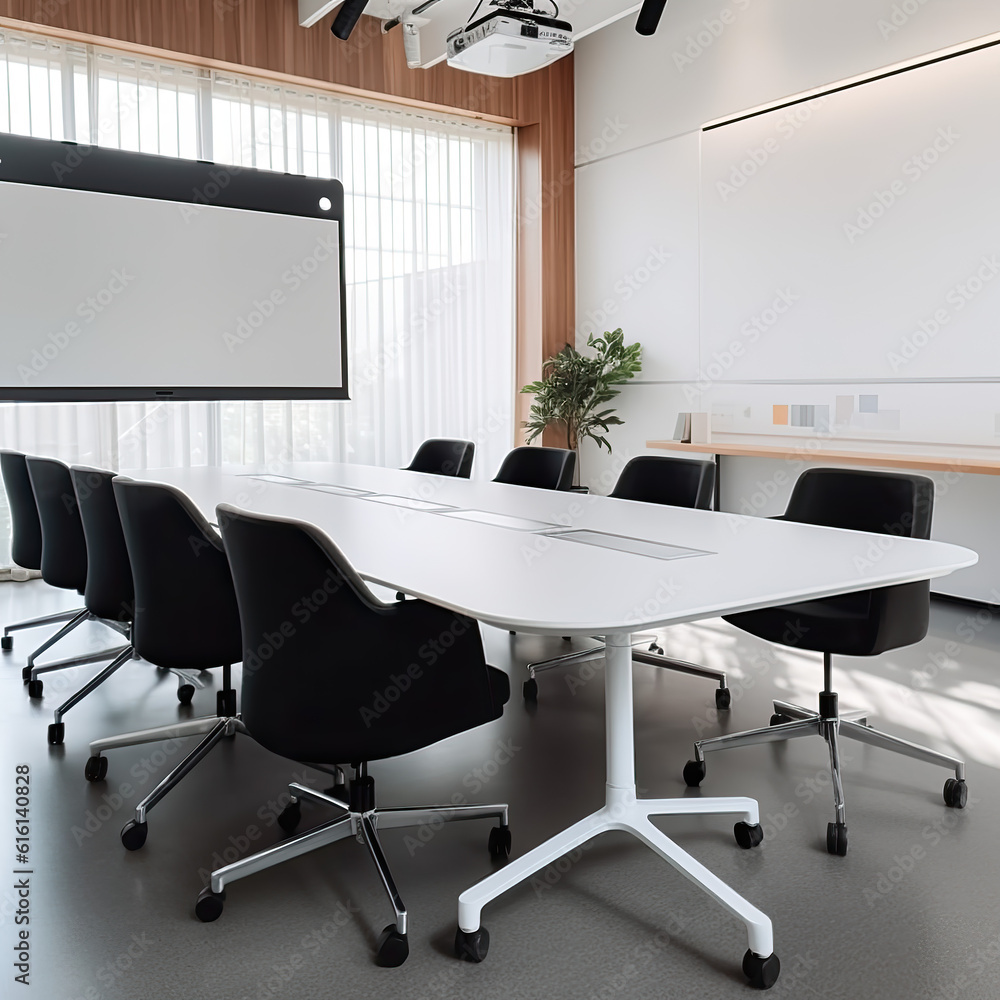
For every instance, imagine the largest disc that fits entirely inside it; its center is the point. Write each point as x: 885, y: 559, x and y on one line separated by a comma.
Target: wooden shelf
x: 802, y: 452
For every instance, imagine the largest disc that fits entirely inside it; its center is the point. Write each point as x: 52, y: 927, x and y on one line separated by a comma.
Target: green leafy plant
x: 574, y: 388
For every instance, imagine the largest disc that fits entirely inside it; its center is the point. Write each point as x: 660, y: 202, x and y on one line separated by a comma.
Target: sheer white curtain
x: 430, y: 253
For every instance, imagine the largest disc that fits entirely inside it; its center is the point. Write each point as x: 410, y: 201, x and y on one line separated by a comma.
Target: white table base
x: 624, y: 811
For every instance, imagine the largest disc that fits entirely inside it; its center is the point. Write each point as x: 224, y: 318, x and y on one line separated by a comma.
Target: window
x: 430, y: 254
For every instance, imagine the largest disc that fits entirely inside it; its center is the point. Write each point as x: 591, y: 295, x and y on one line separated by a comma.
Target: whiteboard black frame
x: 75, y: 166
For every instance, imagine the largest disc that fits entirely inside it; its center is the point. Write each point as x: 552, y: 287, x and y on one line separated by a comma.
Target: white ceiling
x: 586, y: 16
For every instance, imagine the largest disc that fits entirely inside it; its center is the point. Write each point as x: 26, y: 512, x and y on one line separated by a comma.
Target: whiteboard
x: 857, y: 236
x: 111, y: 295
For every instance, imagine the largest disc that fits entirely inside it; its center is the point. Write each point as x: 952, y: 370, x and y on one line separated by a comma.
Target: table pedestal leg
x: 623, y: 811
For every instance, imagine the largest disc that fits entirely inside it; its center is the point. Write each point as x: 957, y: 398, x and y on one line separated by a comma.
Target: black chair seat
x: 861, y: 624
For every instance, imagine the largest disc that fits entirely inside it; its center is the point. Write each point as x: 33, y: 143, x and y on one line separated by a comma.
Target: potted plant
x: 575, y: 387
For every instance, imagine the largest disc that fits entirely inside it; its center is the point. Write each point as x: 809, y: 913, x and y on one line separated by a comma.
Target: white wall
x: 640, y: 103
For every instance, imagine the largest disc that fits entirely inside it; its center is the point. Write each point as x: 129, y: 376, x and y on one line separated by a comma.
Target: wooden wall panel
x: 264, y: 35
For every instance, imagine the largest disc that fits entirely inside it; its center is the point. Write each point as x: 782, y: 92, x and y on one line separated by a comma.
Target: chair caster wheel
x: 956, y: 793
x: 35, y: 689
x: 57, y: 733
x: 26, y: 674
x: 96, y: 768
x: 225, y: 703
x: 655, y: 647
x: 694, y: 773
x: 761, y: 972
x: 472, y: 945
x: 290, y: 817
x: 500, y: 842
x: 748, y: 836
x: 723, y: 698
x: 392, y: 948
x: 7, y: 642
x: 185, y: 693
x: 529, y: 689
x: 836, y: 838
x: 209, y: 905
x: 134, y: 835
x: 778, y: 719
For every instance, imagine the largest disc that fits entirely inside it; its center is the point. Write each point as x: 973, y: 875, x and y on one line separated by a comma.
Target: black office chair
x: 185, y: 618
x: 864, y: 623
x: 444, y: 457
x: 543, y: 468
x: 26, y: 536
x: 63, y: 563
x: 308, y: 684
x: 109, y: 594
x: 673, y: 482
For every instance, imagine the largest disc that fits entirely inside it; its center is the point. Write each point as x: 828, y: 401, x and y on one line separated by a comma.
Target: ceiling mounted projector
x: 512, y: 38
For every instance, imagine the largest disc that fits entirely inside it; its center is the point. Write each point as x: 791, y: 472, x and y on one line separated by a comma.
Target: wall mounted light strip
x: 974, y: 45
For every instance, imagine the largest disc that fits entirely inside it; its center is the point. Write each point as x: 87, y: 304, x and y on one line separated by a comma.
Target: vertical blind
x: 429, y: 230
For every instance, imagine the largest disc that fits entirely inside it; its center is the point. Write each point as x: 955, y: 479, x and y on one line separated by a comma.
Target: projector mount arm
x: 528, y: 5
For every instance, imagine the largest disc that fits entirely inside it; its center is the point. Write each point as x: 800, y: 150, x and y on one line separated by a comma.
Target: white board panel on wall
x: 637, y: 253
x: 867, y: 223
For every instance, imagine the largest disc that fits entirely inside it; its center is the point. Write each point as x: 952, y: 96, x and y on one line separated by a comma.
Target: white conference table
x: 508, y: 556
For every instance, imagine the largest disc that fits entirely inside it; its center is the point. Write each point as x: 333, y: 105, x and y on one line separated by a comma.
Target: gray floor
x: 912, y: 912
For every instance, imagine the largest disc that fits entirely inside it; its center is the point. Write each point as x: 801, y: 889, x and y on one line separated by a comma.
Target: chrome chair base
x: 213, y: 728
x: 792, y: 721
x: 361, y: 821
x: 723, y: 696
x: 61, y: 616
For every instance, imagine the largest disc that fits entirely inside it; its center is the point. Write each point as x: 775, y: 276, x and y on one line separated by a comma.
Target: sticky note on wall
x: 868, y: 404
x: 780, y: 413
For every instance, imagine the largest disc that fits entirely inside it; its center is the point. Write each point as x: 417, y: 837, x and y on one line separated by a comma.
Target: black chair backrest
x: 64, y: 550
x: 444, y: 457
x: 26, y: 529
x: 185, y: 606
x: 315, y: 686
x: 109, y: 593
x: 676, y: 482
x: 543, y: 468
x: 890, y: 503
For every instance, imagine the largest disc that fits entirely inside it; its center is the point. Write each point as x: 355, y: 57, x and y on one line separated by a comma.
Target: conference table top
x: 556, y: 563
